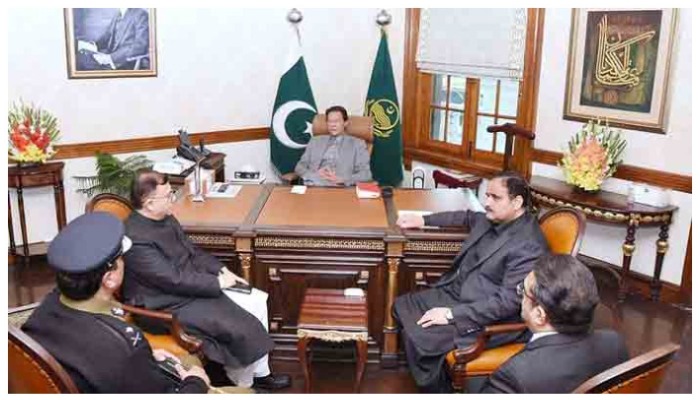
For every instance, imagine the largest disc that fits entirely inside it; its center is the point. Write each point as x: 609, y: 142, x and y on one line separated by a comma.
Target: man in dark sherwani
x: 166, y: 271
x: 480, y: 288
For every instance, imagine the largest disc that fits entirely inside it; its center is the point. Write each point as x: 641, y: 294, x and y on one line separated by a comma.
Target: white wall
x: 670, y: 152
x: 218, y: 69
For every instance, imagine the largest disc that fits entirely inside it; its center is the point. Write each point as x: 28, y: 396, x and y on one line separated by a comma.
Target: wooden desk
x: 611, y: 208
x: 285, y: 243
x: 20, y: 178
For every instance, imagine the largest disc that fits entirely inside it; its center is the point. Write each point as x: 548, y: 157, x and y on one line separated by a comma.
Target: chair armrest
x: 188, y: 342
x: 467, y: 354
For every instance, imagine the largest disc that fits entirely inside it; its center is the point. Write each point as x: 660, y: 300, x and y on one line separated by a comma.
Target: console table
x: 21, y: 177
x: 611, y: 208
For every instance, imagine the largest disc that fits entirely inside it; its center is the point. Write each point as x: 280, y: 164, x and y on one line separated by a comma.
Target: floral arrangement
x: 594, y: 154
x: 32, y: 133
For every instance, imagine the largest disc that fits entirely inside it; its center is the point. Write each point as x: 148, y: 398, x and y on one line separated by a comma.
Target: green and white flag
x: 383, y: 106
x: 293, y: 113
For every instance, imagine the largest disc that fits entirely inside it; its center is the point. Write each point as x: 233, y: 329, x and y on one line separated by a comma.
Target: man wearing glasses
x: 559, y: 298
x: 166, y: 271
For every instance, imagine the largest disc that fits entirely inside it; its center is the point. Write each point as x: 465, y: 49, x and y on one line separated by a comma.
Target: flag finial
x: 294, y: 16
x: 383, y: 18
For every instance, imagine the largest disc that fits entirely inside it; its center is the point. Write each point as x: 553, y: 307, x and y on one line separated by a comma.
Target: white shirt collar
x: 538, y: 335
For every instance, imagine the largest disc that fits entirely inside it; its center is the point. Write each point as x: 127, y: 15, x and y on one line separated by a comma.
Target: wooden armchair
x: 177, y: 342
x: 563, y: 228
x: 360, y: 127
x: 31, y: 369
x: 642, y: 374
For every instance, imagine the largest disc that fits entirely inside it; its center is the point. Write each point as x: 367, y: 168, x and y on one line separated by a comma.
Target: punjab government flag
x: 382, y: 105
x: 292, y: 114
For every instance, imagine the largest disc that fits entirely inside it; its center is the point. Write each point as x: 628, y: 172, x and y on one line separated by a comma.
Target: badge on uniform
x: 133, y: 335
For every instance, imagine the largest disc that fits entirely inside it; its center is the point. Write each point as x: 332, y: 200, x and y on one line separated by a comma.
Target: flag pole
x: 295, y: 17
x: 383, y: 18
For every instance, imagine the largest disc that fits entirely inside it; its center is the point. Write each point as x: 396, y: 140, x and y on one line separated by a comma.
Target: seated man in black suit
x: 559, y: 298
x: 479, y: 290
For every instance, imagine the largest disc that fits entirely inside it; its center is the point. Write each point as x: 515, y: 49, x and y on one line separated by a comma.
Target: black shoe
x: 272, y: 382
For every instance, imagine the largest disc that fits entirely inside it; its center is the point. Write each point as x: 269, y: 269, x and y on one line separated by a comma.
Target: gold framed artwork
x: 619, y: 63
x: 110, y: 42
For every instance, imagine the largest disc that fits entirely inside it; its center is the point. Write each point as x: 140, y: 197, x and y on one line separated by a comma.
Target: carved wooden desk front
x: 284, y: 243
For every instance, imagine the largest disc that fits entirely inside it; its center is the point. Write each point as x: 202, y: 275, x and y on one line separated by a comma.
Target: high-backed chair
x: 31, y: 369
x: 563, y: 228
x: 642, y: 374
x: 177, y: 342
x: 358, y: 126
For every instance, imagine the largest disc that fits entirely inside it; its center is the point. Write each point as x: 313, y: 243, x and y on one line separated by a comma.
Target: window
x: 453, y: 123
x: 447, y: 109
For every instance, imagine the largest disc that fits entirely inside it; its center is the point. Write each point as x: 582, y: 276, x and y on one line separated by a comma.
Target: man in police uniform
x: 82, y: 325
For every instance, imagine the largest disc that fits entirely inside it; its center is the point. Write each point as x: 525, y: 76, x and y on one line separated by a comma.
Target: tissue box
x: 650, y: 195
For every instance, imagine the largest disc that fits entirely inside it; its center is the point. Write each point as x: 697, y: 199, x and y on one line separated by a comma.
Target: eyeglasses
x: 520, y: 290
x: 171, y: 197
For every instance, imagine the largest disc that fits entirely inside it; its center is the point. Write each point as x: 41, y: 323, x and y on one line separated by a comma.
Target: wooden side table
x: 611, y: 208
x: 329, y: 315
x: 20, y: 178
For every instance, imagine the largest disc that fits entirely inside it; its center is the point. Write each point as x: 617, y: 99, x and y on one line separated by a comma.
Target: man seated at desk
x: 336, y: 159
x: 479, y: 289
x: 166, y: 271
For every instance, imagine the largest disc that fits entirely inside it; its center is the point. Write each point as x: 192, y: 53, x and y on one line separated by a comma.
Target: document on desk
x: 298, y: 189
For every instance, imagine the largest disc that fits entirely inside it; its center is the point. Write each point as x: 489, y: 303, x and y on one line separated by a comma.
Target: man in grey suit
x: 559, y: 298
x: 480, y: 288
x: 336, y: 159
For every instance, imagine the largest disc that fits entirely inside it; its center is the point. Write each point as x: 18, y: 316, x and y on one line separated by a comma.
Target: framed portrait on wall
x: 619, y: 63
x: 110, y: 42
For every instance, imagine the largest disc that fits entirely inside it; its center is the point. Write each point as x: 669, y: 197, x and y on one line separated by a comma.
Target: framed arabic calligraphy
x: 619, y: 62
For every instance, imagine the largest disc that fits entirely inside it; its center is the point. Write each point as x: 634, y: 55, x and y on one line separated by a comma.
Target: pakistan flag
x: 383, y: 106
x: 292, y: 114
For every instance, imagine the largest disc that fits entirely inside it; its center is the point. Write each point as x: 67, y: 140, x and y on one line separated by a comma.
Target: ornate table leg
x: 627, y: 250
x: 389, y: 358
x: 13, y: 248
x: 661, y: 249
x: 302, y: 346
x: 60, y: 201
x: 361, y: 361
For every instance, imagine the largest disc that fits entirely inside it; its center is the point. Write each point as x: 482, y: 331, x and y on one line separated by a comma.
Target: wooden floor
x: 644, y: 324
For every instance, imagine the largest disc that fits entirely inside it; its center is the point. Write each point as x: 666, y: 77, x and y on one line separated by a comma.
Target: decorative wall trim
x: 677, y: 182
x: 88, y: 149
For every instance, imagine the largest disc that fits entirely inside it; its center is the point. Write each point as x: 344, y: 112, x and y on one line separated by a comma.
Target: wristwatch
x: 449, y: 315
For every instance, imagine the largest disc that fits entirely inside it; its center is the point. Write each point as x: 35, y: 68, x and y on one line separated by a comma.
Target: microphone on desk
x: 387, y: 192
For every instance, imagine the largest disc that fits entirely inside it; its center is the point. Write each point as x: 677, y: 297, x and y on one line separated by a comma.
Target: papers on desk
x: 174, y: 166
x: 474, y: 203
x: 223, y: 190
x: 419, y: 213
x: 298, y: 189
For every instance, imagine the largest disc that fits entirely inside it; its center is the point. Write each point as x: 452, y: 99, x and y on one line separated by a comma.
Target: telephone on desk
x: 186, y: 150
